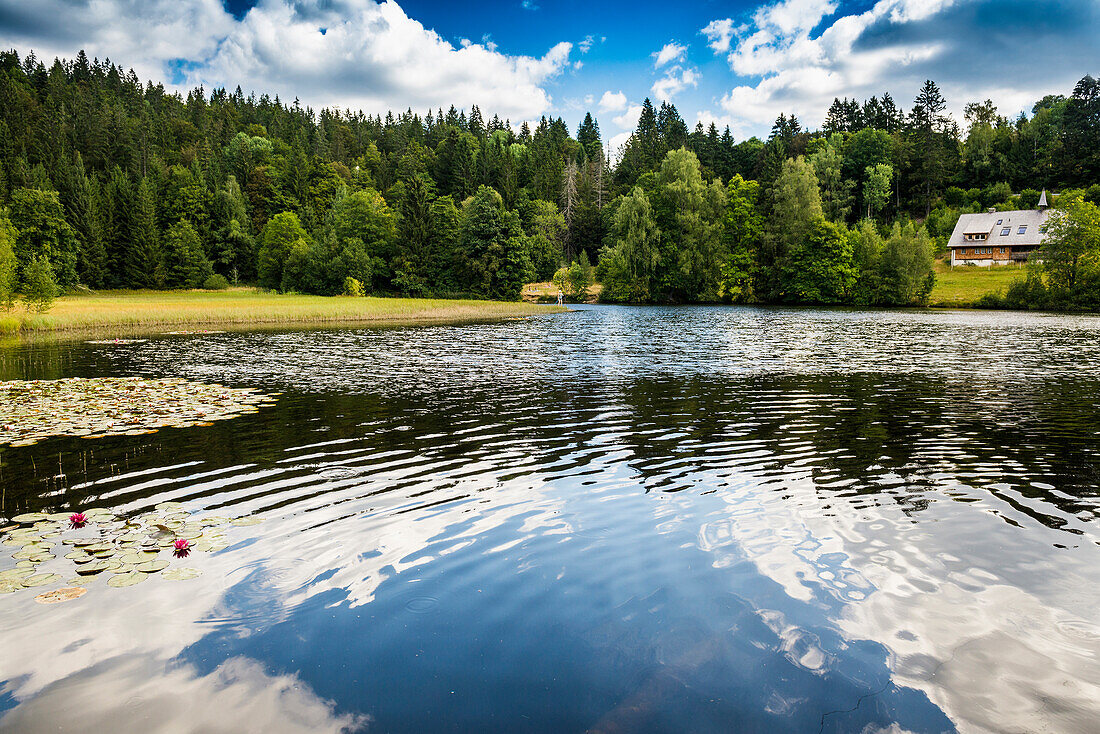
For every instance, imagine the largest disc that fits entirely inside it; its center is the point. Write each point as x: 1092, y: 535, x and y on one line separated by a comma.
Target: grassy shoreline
x: 963, y: 285
x: 133, y: 311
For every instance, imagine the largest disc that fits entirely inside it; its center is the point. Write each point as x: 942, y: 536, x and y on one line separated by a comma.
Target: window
x: 1002, y: 250
x: 1022, y: 229
x: 1005, y: 231
x: 999, y: 221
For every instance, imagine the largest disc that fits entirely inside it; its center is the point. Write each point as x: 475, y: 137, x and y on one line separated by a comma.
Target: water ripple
x: 625, y: 519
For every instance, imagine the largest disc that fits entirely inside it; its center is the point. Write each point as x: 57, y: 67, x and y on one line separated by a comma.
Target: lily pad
x: 14, y: 574
x: 33, y: 556
x: 34, y: 410
x: 58, y: 596
x: 151, y: 566
x: 181, y: 574
x: 29, y: 518
x: 96, y: 567
x: 245, y: 521
x: 40, y: 579
x: 127, y: 579
x: 136, y: 558
x: 9, y: 586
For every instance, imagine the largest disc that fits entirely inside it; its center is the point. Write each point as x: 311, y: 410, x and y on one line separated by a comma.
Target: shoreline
x: 135, y: 312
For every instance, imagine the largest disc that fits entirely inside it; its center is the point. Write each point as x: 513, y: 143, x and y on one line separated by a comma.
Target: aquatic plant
x: 127, y: 549
x: 34, y: 410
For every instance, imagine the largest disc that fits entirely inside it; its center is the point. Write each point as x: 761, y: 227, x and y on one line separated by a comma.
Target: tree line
x: 109, y: 182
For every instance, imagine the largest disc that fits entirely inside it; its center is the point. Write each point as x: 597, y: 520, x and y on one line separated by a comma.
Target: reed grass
x: 132, y: 310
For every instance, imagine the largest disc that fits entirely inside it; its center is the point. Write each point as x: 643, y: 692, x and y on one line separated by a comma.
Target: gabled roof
x: 986, y: 223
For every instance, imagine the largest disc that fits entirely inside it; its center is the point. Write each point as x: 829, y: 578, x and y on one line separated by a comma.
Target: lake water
x: 612, y: 520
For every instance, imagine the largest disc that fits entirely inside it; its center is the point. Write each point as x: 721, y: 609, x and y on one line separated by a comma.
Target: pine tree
x: 141, y: 256
x: 588, y: 136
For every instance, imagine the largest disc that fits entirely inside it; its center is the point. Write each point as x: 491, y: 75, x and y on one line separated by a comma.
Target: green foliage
x: 867, y: 247
x: 1028, y: 199
x: 797, y: 204
x: 183, y: 264
x: 907, y: 275
x: 280, y: 235
x: 828, y: 163
x: 997, y: 193
x: 9, y: 270
x: 629, y: 268
x: 695, y: 228
x: 580, y: 278
x: 215, y: 282
x: 353, y: 287
x: 40, y: 288
x: 876, y: 187
x: 795, y: 212
x: 44, y: 233
x: 743, y: 232
x: 365, y: 230
x: 494, y: 248
x: 819, y: 268
x: 98, y: 170
x: 547, y: 232
x: 1069, y: 261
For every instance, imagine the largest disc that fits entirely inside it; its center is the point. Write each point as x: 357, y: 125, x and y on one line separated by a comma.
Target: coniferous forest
x: 109, y: 181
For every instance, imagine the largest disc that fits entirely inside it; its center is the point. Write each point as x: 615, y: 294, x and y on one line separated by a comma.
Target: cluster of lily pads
x: 190, y: 332
x: 97, y: 542
x: 34, y: 410
x: 116, y: 341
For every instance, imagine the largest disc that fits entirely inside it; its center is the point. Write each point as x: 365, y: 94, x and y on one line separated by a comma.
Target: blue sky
x: 737, y: 63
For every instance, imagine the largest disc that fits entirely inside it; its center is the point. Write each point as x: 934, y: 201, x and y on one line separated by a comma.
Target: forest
x: 109, y: 182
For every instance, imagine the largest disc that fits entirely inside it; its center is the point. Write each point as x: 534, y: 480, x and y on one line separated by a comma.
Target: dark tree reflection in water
x: 643, y: 520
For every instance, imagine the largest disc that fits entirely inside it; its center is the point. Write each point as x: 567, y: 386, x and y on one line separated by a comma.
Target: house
x: 995, y: 237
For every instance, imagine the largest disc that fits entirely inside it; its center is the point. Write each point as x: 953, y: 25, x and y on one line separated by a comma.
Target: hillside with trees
x: 111, y: 182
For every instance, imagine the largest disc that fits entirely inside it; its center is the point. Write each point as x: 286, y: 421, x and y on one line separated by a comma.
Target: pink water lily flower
x: 182, y: 548
x: 78, y: 519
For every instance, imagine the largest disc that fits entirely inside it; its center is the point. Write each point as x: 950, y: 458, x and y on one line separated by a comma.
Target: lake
x: 613, y: 520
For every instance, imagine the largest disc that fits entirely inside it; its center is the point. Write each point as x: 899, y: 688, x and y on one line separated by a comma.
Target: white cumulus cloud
x: 354, y: 54
x: 797, y: 55
x: 612, y: 101
x: 719, y: 33
x: 629, y: 118
x: 676, y: 80
x: 669, y: 52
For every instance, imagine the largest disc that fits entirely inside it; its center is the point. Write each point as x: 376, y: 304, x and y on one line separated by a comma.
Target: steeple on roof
x: 1043, y: 200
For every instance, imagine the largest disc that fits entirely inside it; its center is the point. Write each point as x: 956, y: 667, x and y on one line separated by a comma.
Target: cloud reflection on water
x: 751, y: 515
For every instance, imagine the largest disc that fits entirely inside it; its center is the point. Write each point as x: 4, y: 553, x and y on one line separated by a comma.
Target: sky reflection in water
x: 704, y: 519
